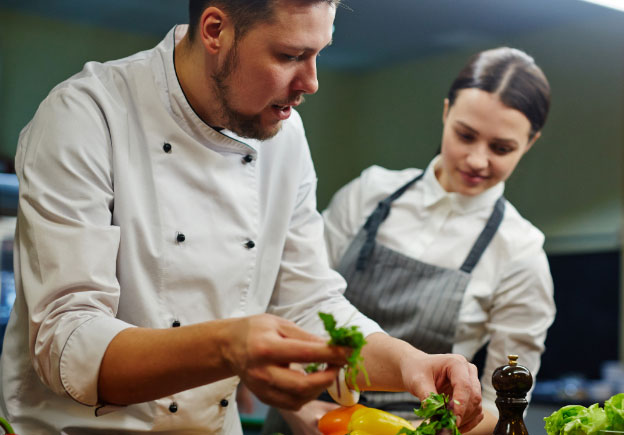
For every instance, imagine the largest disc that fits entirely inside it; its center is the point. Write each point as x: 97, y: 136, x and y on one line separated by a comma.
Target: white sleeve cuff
x: 82, y: 356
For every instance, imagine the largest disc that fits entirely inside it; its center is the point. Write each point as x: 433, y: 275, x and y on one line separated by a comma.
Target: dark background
x: 585, y: 331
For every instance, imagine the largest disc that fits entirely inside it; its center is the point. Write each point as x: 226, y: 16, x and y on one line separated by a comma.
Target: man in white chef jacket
x: 167, y: 204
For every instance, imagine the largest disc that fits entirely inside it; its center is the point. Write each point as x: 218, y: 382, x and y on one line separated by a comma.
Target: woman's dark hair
x: 244, y: 13
x: 513, y: 76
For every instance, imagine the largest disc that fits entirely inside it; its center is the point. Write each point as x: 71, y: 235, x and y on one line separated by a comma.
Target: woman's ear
x: 536, y: 136
x: 445, y: 111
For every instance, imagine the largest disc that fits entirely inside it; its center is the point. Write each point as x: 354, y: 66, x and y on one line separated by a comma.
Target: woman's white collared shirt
x: 509, y: 299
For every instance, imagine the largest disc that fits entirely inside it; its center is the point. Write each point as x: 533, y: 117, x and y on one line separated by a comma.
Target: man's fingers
x: 305, y: 352
x: 265, y: 354
x: 290, y: 389
x: 270, y: 340
x: 291, y: 330
x: 301, y: 383
x: 298, y: 345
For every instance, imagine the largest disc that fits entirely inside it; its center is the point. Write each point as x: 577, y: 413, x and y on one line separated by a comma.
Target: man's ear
x: 214, y: 24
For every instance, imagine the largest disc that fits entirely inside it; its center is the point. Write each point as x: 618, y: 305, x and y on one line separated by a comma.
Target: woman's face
x: 482, y: 142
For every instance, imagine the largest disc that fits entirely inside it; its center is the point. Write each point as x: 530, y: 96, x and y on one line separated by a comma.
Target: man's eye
x: 290, y: 57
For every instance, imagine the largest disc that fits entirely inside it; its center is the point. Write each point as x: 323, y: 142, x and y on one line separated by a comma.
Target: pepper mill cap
x: 512, y: 380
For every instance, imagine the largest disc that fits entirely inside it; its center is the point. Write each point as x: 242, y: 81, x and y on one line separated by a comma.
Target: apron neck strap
x: 485, y: 237
x: 376, y: 218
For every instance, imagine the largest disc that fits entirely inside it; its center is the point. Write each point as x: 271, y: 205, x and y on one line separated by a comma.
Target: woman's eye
x: 501, y: 149
x: 466, y: 137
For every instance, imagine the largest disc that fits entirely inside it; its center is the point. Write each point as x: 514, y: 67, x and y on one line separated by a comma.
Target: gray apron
x: 412, y: 300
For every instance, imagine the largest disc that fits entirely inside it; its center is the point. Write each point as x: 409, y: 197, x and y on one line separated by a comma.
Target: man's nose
x: 307, y: 80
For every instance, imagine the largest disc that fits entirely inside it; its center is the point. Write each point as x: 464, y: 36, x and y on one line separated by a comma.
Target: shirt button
x: 167, y: 147
x: 180, y: 237
x: 173, y: 407
x: 250, y: 244
x: 247, y: 158
x: 175, y: 323
x: 224, y: 403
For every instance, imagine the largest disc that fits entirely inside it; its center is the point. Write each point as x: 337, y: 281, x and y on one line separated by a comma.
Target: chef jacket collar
x: 434, y: 193
x: 179, y: 107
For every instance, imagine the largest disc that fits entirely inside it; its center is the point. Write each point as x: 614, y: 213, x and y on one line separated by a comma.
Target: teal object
x: 8, y: 194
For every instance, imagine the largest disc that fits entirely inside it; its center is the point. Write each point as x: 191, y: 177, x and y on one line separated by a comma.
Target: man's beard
x: 249, y: 126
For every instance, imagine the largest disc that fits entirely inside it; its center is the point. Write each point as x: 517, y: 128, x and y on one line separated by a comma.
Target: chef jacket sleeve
x: 66, y: 266
x: 343, y: 218
x: 522, y: 311
x: 306, y: 284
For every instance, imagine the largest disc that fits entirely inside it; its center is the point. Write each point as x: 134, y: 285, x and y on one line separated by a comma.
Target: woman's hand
x: 394, y: 365
x: 450, y: 374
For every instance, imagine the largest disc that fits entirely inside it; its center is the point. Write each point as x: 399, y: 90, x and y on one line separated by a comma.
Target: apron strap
x: 376, y: 218
x: 486, y: 236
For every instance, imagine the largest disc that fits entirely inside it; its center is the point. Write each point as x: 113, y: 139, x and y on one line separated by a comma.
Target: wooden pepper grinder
x: 512, y: 383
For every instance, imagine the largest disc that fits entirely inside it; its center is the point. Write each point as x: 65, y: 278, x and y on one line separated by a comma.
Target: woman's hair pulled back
x: 513, y: 76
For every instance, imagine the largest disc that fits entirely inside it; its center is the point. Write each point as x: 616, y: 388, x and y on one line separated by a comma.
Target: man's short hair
x: 244, y: 13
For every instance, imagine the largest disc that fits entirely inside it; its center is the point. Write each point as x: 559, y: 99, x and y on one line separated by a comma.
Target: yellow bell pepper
x: 371, y: 421
x: 336, y: 421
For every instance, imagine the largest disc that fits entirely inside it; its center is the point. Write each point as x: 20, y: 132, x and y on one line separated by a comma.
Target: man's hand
x: 138, y: 368
x: 260, y: 354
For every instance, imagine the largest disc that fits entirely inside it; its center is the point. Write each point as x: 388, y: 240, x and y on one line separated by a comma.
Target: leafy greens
x: 438, y: 417
x: 349, y: 337
x: 614, y: 408
x: 578, y: 420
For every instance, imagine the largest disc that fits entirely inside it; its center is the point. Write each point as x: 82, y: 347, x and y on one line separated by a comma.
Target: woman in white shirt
x: 437, y: 256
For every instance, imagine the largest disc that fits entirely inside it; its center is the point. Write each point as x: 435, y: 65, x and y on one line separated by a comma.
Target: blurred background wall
x: 569, y: 184
x: 382, y: 110
x: 382, y: 85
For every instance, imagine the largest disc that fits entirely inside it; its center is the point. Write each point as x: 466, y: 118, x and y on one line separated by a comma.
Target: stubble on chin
x: 247, y: 126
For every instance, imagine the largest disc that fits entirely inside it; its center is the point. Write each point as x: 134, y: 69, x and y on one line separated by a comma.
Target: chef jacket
x: 134, y: 212
x: 509, y: 299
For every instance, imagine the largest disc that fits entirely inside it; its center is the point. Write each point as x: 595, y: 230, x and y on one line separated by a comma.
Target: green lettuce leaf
x: 576, y: 420
x: 614, y: 407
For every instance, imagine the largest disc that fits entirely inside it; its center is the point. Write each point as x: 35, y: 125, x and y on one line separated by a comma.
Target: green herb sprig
x: 349, y: 337
x: 313, y: 367
x: 438, y: 417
